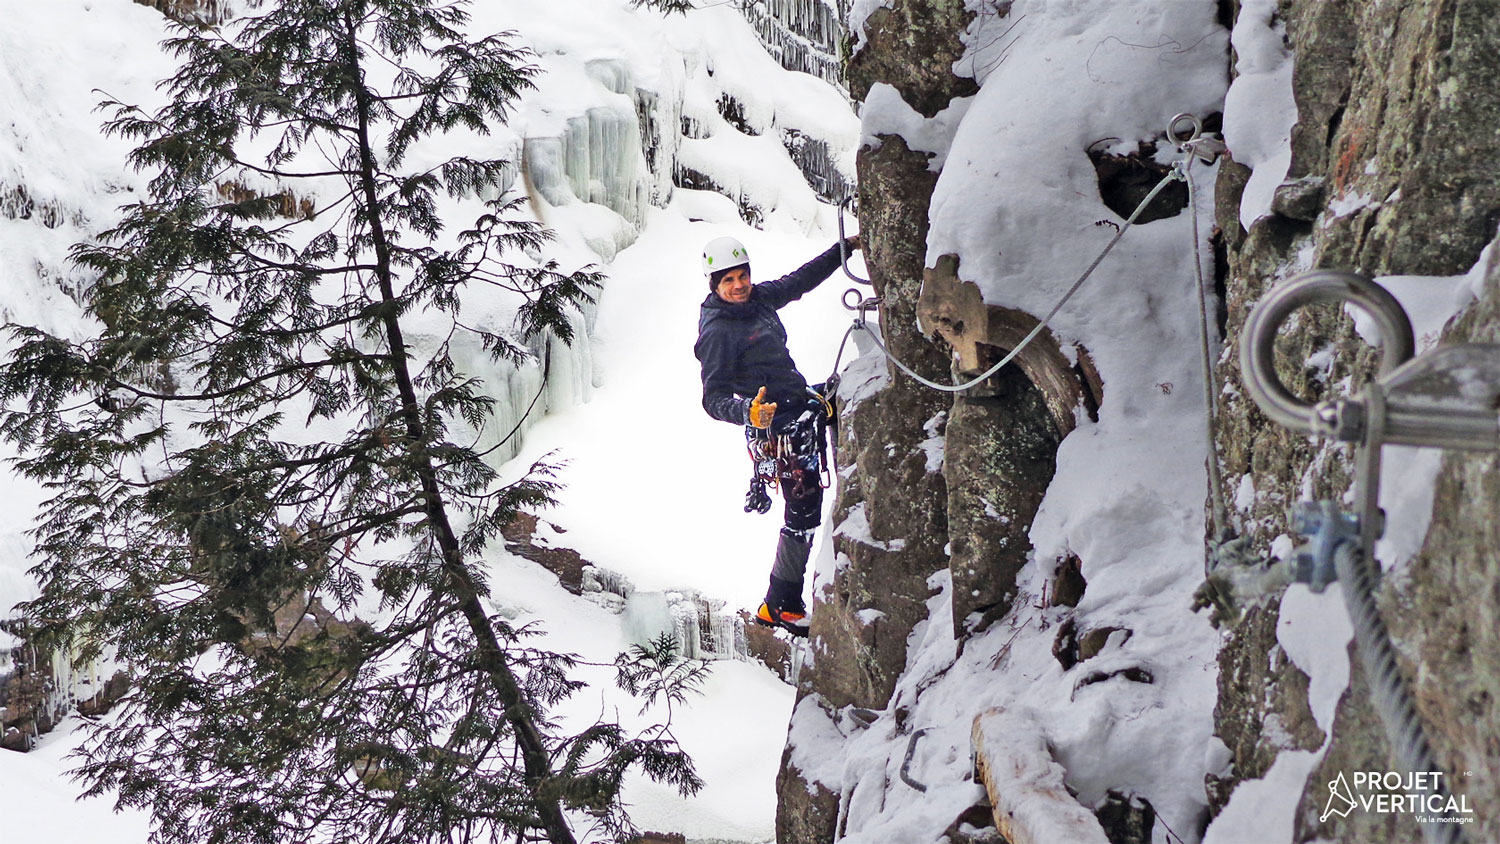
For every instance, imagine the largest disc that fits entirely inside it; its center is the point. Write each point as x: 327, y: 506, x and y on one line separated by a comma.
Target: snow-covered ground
x: 654, y: 487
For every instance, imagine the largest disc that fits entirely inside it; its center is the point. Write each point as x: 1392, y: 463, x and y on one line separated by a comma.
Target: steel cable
x: 1388, y: 692
x: 1220, y: 512
x: 1025, y: 341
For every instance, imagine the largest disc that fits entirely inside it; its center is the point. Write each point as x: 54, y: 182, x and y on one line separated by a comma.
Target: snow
x: 36, y: 799
x: 72, y: 185
x: 1314, y: 629
x: 645, y: 460
x: 1409, y: 475
x: 1348, y: 202
x: 1259, y: 111
x: 1030, y: 783
x: 654, y: 487
x: 1263, y: 810
x: 886, y: 113
x: 739, y: 765
x: 935, y: 446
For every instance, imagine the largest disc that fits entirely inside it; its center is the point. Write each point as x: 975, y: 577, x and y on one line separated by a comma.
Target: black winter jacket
x: 742, y: 347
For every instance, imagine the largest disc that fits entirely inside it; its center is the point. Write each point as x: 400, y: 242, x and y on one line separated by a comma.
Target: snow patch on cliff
x: 886, y: 113
x: 1259, y: 110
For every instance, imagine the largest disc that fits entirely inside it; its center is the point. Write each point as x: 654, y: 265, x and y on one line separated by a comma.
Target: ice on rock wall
x: 616, y: 131
x: 819, y: 165
x: 661, y: 127
x: 596, y: 159
x: 609, y: 152
x: 760, y: 144
x: 804, y: 35
x: 700, y: 626
x: 200, y: 12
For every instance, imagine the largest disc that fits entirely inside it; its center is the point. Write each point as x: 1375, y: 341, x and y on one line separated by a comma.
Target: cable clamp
x: 1327, y: 528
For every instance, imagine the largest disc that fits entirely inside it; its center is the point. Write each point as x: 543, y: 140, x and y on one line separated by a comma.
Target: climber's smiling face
x: 734, y: 287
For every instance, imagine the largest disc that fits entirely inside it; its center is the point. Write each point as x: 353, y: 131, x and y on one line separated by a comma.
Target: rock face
x: 1003, y: 432
x: 1393, y: 172
x: 37, y: 690
x: 28, y: 706
x: 923, y: 489
x: 890, y: 520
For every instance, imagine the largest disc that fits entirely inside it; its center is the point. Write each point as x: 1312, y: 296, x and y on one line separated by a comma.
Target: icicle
x: 813, y: 157
x: 599, y: 157
x: 802, y: 35
x: 596, y: 579
x: 700, y: 626
x: 685, y: 625
x: 8, y: 644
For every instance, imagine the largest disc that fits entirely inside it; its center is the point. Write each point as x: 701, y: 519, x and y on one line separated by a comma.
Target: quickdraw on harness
x: 794, y: 460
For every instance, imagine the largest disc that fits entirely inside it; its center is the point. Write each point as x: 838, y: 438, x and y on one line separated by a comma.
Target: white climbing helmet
x: 722, y: 253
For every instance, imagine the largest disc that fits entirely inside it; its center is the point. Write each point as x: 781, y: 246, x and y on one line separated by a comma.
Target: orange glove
x: 761, y: 411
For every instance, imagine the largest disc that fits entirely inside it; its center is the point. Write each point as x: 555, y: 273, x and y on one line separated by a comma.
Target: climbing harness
x: 794, y: 460
x: 1445, y: 398
x: 1194, y: 142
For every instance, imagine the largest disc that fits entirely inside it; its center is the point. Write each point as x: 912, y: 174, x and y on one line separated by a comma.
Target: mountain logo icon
x: 1340, y: 800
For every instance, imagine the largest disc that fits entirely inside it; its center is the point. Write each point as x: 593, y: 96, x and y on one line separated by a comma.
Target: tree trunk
x: 534, y: 755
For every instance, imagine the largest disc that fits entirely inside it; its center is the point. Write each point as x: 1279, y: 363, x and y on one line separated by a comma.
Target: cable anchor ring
x: 861, y: 304
x: 1196, y: 124
x: 1204, y: 147
x: 1258, y: 345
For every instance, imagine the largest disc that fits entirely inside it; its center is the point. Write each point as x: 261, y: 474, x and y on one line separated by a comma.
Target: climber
x: 749, y: 379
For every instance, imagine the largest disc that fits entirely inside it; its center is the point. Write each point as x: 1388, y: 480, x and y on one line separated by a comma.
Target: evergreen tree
x: 250, y: 453
x: 667, y: 6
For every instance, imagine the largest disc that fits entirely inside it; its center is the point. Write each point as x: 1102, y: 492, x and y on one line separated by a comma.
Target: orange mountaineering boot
x: 788, y: 620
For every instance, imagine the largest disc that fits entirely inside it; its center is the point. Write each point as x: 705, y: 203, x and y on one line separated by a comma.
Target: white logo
x: 1340, y: 800
x: 1419, y: 794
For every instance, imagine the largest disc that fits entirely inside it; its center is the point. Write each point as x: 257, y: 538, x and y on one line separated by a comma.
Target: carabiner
x: 844, y: 247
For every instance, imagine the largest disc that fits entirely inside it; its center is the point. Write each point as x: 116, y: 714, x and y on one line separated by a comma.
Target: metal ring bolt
x: 1172, y: 128
x: 1258, y: 342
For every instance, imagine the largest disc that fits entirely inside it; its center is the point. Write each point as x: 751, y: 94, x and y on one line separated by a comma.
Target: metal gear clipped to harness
x: 779, y: 463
